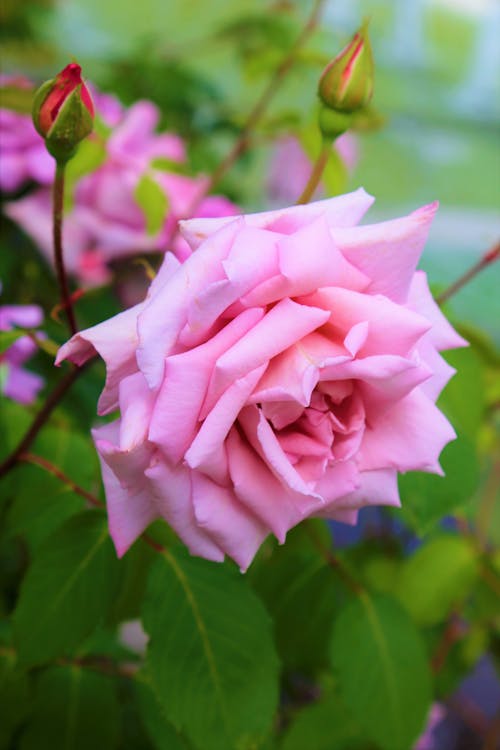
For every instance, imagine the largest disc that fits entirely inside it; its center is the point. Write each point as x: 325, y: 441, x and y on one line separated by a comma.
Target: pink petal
x: 136, y: 407
x: 408, y: 437
x: 281, y: 327
x: 388, y: 252
x: 442, y: 334
x: 375, y: 488
x: 235, y: 529
x: 171, y: 488
x: 185, y: 385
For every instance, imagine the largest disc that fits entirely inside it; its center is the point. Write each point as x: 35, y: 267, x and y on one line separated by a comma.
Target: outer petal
x: 388, y: 252
x: 375, y: 488
x: 341, y: 211
x: 130, y: 505
x: 235, y: 529
x: 171, y: 489
x: 408, y: 437
x: 442, y: 335
x: 116, y: 341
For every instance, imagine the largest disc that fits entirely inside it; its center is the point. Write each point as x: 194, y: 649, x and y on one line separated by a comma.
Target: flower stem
x: 52, y: 401
x: 316, y: 174
x: 50, y: 468
x: 488, y: 258
x: 333, y: 561
x: 58, y: 211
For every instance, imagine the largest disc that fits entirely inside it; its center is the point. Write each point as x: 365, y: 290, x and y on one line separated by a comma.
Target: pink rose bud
x: 63, y: 112
x: 346, y: 84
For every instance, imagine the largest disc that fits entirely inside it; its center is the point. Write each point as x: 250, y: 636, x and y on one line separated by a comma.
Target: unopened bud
x: 63, y: 112
x: 346, y: 83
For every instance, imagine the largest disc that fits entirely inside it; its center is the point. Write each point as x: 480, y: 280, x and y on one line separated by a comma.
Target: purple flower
x: 15, y: 382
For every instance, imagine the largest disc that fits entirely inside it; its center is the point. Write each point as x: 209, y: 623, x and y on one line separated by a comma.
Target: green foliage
x: 205, y: 616
x: 437, y: 578
x: 68, y: 589
x: 381, y: 667
x: 153, y: 203
x: 73, y: 709
x: 14, y: 696
x: 322, y: 726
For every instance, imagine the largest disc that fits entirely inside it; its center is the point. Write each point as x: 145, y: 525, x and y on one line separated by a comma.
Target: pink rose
x: 288, y: 368
x: 106, y: 221
x: 17, y: 383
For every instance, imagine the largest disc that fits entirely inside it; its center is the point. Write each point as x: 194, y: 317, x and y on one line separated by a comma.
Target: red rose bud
x: 346, y: 83
x: 63, y: 112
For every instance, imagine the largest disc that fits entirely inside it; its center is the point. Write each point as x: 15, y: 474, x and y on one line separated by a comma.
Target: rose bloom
x: 106, y: 221
x: 15, y: 382
x: 288, y: 368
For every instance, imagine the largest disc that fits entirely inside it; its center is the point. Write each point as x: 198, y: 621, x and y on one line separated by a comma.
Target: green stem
x: 58, y: 212
x: 316, y: 174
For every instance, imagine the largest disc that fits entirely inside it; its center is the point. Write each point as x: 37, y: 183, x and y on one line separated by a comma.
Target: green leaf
x: 211, y: 659
x: 74, y: 709
x: 7, y: 338
x: 381, y: 667
x: 436, y: 577
x: 322, y: 726
x: 299, y: 589
x: 134, y: 572
x: 91, y: 154
x: 152, y: 201
x: 68, y: 589
x: 463, y: 399
x: 426, y: 498
x: 14, y: 696
x: 160, y: 730
x: 42, y: 502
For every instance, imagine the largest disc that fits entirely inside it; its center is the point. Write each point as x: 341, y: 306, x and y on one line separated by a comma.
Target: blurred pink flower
x: 290, y: 167
x: 426, y: 741
x: 17, y: 383
x: 106, y: 221
x: 288, y: 368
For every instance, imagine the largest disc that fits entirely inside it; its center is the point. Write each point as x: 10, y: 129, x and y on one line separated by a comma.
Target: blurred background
x: 204, y: 62
x: 432, y: 133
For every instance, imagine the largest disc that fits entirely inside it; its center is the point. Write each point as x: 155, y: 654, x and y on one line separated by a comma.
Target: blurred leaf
x: 299, y: 589
x: 438, y: 576
x: 152, y: 201
x: 91, y: 154
x: 16, y: 99
x: 202, y: 614
x: 427, y: 498
x: 68, y: 590
x: 160, y: 730
x: 134, y: 566
x: 7, y: 338
x: 74, y: 709
x: 463, y: 398
x: 14, y: 696
x: 322, y: 726
x: 381, y: 667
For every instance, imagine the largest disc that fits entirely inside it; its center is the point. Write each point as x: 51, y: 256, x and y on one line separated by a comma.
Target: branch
x: 488, y: 258
x: 58, y: 212
x: 43, y: 463
x: 52, y: 401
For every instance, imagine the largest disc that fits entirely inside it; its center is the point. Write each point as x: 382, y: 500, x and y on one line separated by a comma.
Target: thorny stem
x: 58, y: 211
x: 316, y: 174
x: 487, y: 259
x: 52, y: 401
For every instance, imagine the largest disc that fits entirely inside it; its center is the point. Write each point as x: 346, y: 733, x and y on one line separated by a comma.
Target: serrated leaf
x: 160, y: 730
x: 74, y: 709
x: 436, y: 577
x: 67, y: 591
x: 211, y: 659
x: 381, y: 669
x: 153, y: 202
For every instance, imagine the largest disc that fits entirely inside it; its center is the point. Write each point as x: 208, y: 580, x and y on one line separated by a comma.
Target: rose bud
x: 332, y: 123
x: 63, y: 112
x: 346, y: 84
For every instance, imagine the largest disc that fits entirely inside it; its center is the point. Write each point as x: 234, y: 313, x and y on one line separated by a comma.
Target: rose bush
x: 289, y: 368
